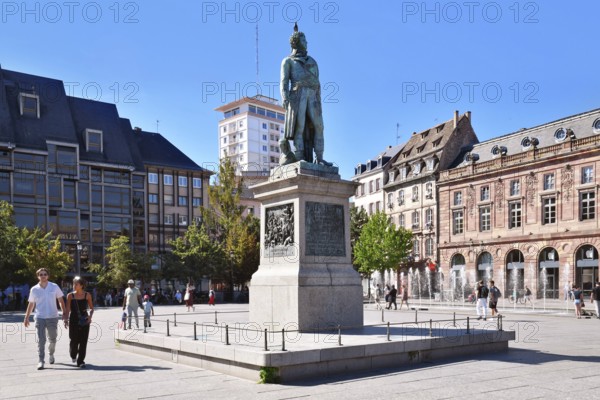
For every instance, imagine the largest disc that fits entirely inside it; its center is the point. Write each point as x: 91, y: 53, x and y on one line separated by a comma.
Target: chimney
x: 455, y: 119
x: 468, y: 114
x: 137, y: 129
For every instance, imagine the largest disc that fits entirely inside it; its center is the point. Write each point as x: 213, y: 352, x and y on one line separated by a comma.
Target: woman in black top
x: 78, y: 303
x: 578, y: 296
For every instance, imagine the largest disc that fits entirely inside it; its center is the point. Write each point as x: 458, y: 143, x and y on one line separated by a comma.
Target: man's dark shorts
x: 492, y: 305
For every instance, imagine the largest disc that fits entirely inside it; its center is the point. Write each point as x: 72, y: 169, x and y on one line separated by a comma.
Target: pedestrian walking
x: 578, y: 300
x: 595, y: 298
x: 78, y: 303
x: 132, y: 300
x: 189, y: 297
x: 494, y: 296
x: 43, y: 297
x: 404, y: 298
x: 387, y: 295
x: 378, y: 294
x: 481, y: 293
x: 148, y: 309
x: 108, y: 300
x: 527, y: 296
x: 393, y: 294
x: 178, y: 296
x: 211, y: 297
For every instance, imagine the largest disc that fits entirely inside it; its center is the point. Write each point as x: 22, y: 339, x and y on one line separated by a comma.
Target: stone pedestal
x: 305, y: 279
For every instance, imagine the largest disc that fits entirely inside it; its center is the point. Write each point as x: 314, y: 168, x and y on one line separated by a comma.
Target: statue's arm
x: 285, y: 79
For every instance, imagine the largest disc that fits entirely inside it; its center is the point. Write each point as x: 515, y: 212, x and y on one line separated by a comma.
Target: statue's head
x: 298, y: 39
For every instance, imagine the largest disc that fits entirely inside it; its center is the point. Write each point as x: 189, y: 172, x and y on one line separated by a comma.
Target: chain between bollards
x: 266, y: 347
x: 168, y: 333
x: 339, y: 335
x: 468, y: 326
x: 227, y: 335
x: 175, y: 319
x: 195, y: 332
x: 283, y: 339
x: 388, y: 332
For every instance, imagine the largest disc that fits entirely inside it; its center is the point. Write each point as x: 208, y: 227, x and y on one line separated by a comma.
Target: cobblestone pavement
x: 555, y: 356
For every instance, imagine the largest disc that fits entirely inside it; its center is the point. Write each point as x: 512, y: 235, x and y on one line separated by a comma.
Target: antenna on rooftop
x: 397, y: 132
x: 257, y: 70
x: 157, y: 121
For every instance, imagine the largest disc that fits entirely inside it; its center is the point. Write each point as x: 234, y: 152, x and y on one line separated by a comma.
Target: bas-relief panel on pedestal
x: 325, y: 235
x: 279, y: 230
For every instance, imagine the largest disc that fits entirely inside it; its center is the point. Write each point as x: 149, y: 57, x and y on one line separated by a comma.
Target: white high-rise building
x: 249, y: 134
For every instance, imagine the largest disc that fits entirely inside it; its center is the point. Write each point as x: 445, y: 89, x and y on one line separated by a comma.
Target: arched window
x: 587, y: 267
x: 485, y: 267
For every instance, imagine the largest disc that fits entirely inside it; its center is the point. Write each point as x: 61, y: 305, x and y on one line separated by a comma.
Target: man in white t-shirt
x: 132, y: 300
x: 43, y: 297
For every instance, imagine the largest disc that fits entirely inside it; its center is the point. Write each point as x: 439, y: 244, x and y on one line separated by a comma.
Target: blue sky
x: 512, y: 63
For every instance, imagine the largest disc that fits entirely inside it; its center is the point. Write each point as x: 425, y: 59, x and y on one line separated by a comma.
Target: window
x: 390, y: 200
x: 168, y: 180
x: 515, y: 188
x: 587, y: 205
x: 416, y: 247
x: 548, y: 181
x: 429, y: 190
x: 429, y: 247
x: 264, y: 148
x: 401, y: 221
x: 62, y: 160
x: 378, y: 206
x: 431, y: 164
x: 153, y: 178
x: 169, y: 219
x: 377, y: 184
x: 549, y: 210
x: 182, y: 201
x: 485, y: 193
x: 197, y: 182
x: 94, y: 141
x: 416, y: 223
x: 415, y: 193
x: 400, y: 197
x: 436, y: 142
x: 152, y: 198
x: 403, y: 172
x: 560, y: 135
x: 241, y: 123
x: 417, y: 168
x: 370, y: 186
x: 457, y: 198
x: 29, y: 105
x: 231, y: 113
x: 153, y: 218
x: 587, y: 175
x: 196, y: 201
x: 429, y: 218
x: 457, y: 222
x: 514, y: 215
x: 485, y: 218
x: 183, y: 220
x: 182, y: 181
x: 370, y: 208
x: 264, y: 125
x: 168, y: 199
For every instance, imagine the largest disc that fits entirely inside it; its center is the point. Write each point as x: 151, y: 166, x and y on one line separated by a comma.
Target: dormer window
x: 431, y: 164
x: 403, y: 172
x: 560, y: 135
x: 437, y: 142
x: 417, y: 168
x: 596, y: 126
x: 379, y: 162
x: 29, y: 105
x: 420, y: 149
x: 93, y: 141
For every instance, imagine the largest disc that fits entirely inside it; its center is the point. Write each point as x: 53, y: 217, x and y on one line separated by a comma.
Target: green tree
x: 36, y: 249
x: 197, y: 255
x: 123, y: 264
x: 381, y: 245
x: 358, y: 219
x: 237, y: 236
x: 9, y: 234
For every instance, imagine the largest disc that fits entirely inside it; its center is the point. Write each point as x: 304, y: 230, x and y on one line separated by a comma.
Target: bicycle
x: 520, y: 298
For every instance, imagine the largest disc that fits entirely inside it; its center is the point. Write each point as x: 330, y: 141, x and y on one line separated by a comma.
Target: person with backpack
x: 481, y: 292
x: 527, y: 296
x: 494, y: 295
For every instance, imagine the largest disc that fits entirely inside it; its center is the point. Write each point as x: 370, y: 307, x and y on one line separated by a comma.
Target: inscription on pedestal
x: 279, y: 230
x: 325, y: 230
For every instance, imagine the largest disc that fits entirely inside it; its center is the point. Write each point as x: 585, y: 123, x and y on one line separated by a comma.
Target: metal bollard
x: 500, y: 322
x: 168, y: 334
x: 339, y: 335
x: 468, y: 326
x: 388, y: 332
x: 416, y: 317
x: 195, y: 332
x: 283, y: 339
x: 216, y: 318
x: 454, y: 319
x: 430, y: 328
x: 266, y: 347
x: 382, y: 317
x: 227, y: 335
x: 175, y: 319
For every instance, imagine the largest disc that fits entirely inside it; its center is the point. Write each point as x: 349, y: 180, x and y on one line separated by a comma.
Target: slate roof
x: 581, y: 124
x: 155, y: 149
x: 386, y: 156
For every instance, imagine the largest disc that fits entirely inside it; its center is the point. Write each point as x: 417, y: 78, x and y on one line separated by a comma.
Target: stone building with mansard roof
x: 521, y: 209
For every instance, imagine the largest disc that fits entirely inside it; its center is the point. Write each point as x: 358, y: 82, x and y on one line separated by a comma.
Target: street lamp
x: 78, y: 260
x: 231, y: 254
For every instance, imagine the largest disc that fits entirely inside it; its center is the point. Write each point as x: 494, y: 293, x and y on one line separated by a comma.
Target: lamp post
x: 78, y: 258
x: 231, y: 254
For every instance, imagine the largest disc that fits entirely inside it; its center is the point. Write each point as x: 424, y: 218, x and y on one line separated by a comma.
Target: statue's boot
x: 321, y: 161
